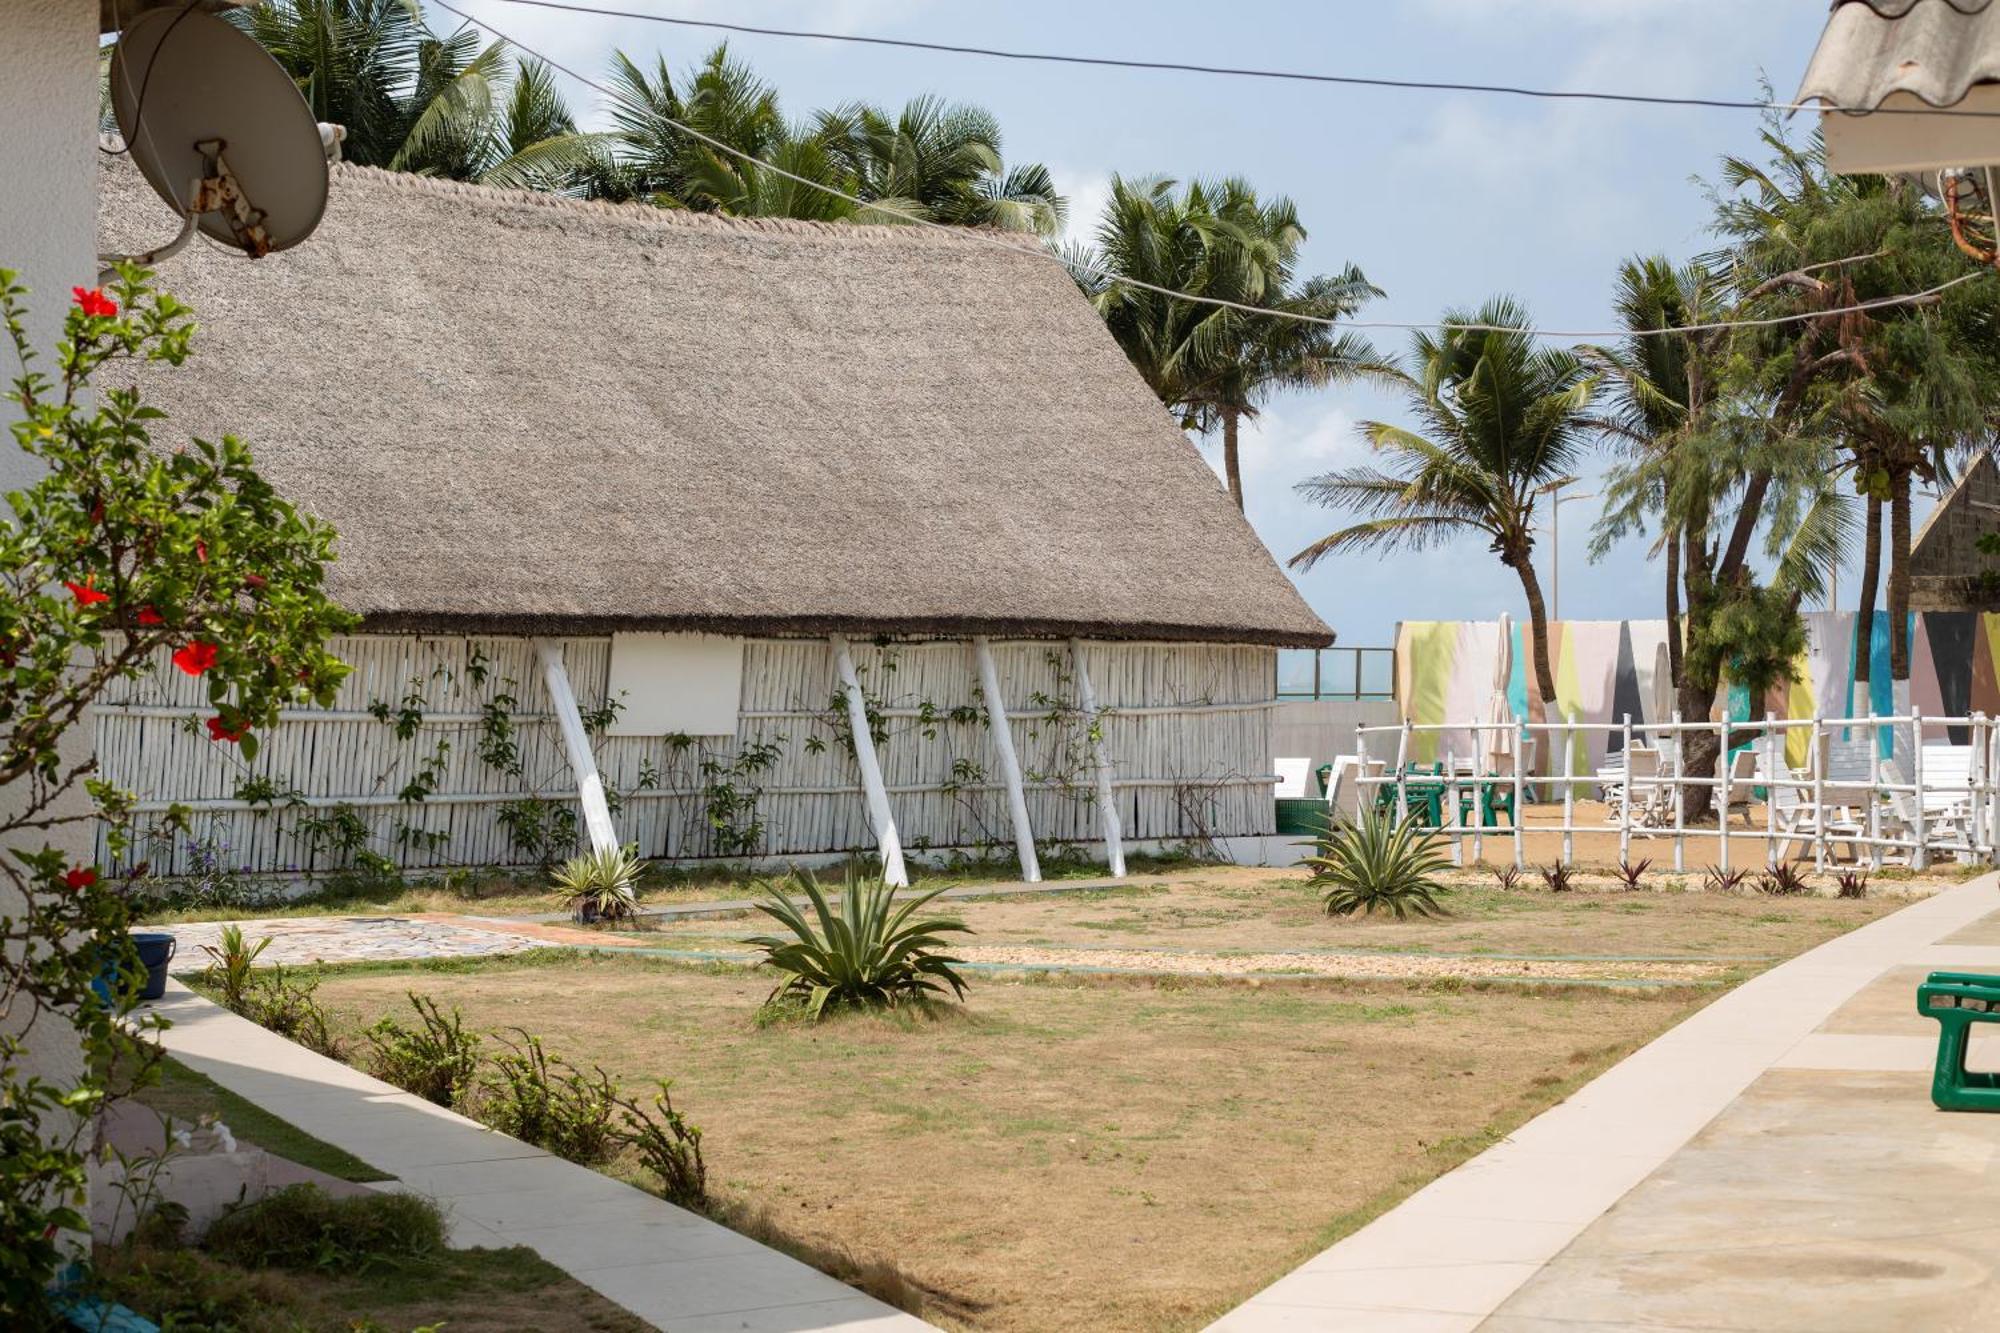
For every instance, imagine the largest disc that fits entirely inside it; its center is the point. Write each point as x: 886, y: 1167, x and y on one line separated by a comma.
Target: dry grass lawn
x: 1063, y: 1154
x: 1229, y: 909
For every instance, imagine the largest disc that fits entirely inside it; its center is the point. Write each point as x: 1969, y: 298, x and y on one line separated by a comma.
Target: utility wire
x: 1107, y: 275
x: 1233, y: 71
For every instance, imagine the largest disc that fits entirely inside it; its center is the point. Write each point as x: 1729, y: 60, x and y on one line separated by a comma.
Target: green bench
x: 1957, y: 1000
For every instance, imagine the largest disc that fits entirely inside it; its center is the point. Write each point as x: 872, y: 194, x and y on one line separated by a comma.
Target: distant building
x: 1948, y: 571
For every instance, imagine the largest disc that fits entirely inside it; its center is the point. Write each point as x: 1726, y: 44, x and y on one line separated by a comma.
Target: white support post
x: 1975, y: 824
x: 1010, y: 764
x: 1774, y: 773
x: 1520, y: 795
x: 1680, y: 796
x: 1874, y: 792
x: 1569, y: 789
x: 1625, y: 806
x: 1992, y: 791
x: 589, y: 786
x: 1449, y: 813
x: 1100, y: 753
x: 1479, y: 751
x: 1920, y: 858
x: 887, y: 840
x: 1819, y: 763
x: 1402, y: 766
x: 1722, y: 767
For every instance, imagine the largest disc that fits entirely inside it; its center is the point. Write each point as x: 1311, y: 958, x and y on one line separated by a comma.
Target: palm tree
x: 354, y: 60
x: 1215, y: 365
x: 1502, y: 421
x: 1658, y: 388
x: 412, y: 100
x: 940, y: 161
x: 724, y: 103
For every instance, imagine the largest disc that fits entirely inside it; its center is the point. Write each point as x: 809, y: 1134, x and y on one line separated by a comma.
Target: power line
x: 1241, y: 72
x: 983, y: 237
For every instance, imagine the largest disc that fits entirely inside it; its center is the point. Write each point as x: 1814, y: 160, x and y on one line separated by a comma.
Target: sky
x: 1442, y: 199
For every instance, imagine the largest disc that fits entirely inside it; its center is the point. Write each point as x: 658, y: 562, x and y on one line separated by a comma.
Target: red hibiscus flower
x: 82, y: 877
x: 201, y: 552
x: 149, y: 616
x: 196, y: 657
x: 218, y: 730
x: 86, y: 592
x: 93, y: 302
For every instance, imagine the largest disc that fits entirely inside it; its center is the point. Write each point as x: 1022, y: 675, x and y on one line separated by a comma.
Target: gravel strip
x: 1336, y: 964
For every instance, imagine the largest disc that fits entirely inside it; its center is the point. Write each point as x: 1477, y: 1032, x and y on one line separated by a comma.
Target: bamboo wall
x: 1187, y: 728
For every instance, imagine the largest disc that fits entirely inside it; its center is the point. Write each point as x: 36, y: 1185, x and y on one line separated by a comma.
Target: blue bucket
x: 156, y: 950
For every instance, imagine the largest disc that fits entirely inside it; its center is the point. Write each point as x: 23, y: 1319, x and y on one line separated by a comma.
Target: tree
x: 412, y: 100
x: 1501, y: 421
x: 1213, y: 365
x: 939, y: 161
x: 126, y: 556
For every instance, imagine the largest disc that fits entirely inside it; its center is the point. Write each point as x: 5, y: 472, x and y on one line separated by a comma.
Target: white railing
x: 1877, y: 811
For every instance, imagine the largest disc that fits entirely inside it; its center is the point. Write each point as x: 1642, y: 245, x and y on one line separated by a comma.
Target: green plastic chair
x: 1957, y: 1000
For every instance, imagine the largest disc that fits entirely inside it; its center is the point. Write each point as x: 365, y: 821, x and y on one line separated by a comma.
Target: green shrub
x: 550, y: 1103
x: 290, y: 1009
x: 304, y: 1227
x: 184, y: 1289
x: 602, y: 885
x: 230, y: 967
x: 437, y: 1060
x: 669, y: 1147
x: 1379, y: 864
x: 875, y: 952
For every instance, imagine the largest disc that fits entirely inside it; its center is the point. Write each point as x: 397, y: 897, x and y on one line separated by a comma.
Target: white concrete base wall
x: 48, y: 234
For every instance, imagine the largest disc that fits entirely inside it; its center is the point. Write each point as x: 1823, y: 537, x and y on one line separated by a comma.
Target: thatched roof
x: 525, y: 413
x: 1932, y: 49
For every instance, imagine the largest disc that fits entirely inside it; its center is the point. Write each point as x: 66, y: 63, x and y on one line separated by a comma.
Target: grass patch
x: 1203, y: 1131
x: 185, y: 1096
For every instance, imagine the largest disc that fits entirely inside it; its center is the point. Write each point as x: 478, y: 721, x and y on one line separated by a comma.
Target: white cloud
x: 1088, y: 192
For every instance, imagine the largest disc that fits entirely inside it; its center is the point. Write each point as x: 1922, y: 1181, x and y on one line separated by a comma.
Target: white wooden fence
x: 1186, y: 730
x: 1843, y: 804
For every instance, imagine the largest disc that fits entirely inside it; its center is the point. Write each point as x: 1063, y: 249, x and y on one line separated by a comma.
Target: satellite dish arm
x: 214, y: 191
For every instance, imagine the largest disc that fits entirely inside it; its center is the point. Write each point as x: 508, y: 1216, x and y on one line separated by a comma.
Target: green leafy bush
x: 292, y: 1010
x: 1377, y: 863
x: 550, y: 1103
x: 874, y: 952
x: 133, y: 544
x: 231, y: 966
x: 602, y: 885
x: 438, y: 1059
x: 669, y: 1147
x: 304, y: 1227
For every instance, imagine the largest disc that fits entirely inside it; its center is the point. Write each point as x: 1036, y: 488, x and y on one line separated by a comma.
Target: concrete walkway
x: 1822, y: 1193
x: 677, y: 1271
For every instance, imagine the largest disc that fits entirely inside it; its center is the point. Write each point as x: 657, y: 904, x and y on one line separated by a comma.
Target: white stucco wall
x: 48, y: 224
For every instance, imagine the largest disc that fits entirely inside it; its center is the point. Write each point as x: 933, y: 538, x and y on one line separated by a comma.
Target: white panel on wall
x: 676, y: 683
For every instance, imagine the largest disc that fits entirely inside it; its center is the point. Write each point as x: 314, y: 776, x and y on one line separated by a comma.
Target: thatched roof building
x: 526, y: 414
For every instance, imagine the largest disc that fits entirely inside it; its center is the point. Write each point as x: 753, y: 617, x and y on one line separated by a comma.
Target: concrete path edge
x: 674, y: 1269
x: 1450, y: 1254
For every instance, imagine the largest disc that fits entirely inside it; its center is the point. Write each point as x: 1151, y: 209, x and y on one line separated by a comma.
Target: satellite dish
x: 219, y: 130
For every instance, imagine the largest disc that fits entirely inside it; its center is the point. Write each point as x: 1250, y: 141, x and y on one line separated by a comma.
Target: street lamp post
x: 1556, y: 501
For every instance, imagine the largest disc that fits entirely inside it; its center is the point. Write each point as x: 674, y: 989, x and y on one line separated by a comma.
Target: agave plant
x: 874, y: 952
x: 1376, y: 863
x: 602, y: 885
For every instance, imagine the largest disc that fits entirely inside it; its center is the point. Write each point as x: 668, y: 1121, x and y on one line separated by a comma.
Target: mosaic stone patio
x: 357, y: 939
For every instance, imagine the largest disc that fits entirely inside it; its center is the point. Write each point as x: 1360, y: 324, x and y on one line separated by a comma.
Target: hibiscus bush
x: 131, y: 552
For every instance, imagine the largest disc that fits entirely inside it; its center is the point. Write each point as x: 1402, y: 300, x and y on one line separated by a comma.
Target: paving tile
x: 1260, y: 1318
x: 852, y: 1314
x: 668, y: 1293
x: 1433, y: 1288
x: 581, y: 1249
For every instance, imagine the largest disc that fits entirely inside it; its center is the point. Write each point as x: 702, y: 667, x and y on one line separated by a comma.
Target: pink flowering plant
x: 133, y: 553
